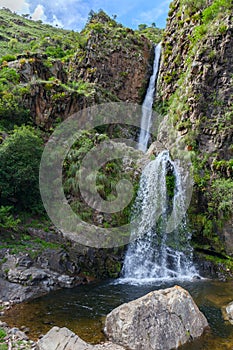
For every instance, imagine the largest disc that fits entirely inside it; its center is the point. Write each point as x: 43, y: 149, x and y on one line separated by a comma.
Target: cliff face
x: 196, y: 91
x: 111, y: 63
x: 117, y: 61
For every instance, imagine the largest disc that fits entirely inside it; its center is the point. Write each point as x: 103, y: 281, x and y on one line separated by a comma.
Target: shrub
x: 222, y: 197
x: 20, y: 155
x: 7, y: 58
x: 55, y: 52
x: 7, y: 220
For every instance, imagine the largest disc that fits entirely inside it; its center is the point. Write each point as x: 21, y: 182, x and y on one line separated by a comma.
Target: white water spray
x: 148, y: 103
x: 160, y: 247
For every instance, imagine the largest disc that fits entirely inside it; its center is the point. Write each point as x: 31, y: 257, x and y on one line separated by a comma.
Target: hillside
x: 59, y: 72
x: 19, y: 35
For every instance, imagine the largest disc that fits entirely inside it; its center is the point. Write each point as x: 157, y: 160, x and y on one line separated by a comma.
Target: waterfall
x: 148, y: 103
x: 159, y: 245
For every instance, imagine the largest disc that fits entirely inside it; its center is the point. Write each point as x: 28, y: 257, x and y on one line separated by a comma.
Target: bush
x: 2, y: 333
x: 10, y: 75
x: 12, y: 111
x: 222, y: 197
x: 20, y: 156
x: 7, y: 220
x: 55, y: 52
x: 7, y: 58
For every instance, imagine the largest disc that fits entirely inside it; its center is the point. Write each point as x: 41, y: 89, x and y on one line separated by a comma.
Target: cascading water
x: 148, y: 103
x: 160, y: 246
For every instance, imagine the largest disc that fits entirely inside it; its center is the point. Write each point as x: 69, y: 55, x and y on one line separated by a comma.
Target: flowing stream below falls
x: 83, y: 309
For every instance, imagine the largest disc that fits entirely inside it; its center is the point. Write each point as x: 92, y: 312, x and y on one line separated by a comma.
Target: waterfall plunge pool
x: 83, y: 309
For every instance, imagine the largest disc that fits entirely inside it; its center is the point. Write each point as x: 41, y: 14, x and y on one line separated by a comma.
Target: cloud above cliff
x: 39, y: 14
x: 20, y: 6
x: 73, y: 14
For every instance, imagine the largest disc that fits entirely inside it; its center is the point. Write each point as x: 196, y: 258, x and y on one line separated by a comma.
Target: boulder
x: 160, y: 320
x: 62, y: 338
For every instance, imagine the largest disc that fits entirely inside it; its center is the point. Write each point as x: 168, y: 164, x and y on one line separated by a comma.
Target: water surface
x: 83, y: 309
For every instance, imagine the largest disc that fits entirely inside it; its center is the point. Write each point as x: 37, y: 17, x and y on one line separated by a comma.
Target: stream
x: 83, y: 309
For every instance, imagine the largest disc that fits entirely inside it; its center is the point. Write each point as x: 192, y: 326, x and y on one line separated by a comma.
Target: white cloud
x: 153, y: 14
x: 20, y: 6
x: 57, y: 22
x: 39, y: 14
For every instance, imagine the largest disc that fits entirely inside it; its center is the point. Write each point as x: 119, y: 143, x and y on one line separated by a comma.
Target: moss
x: 2, y: 333
x: 170, y: 183
x: 225, y: 263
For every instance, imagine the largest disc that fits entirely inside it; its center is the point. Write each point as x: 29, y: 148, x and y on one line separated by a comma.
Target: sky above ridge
x: 72, y: 14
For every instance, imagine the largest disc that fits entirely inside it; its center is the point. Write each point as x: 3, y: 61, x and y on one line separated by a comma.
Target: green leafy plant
x: 7, y: 221
x: 20, y: 155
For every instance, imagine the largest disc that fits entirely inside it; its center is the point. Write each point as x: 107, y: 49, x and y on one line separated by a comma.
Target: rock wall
x: 54, y: 263
x: 196, y: 91
x: 102, y: 71
x: 122, y: 70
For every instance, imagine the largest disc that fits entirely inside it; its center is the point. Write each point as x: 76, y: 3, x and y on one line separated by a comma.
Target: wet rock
x: 62, y: 338
x: 24, y: 278
x: 163, y: 319
x: 17, y: 334
x: 229, y: 313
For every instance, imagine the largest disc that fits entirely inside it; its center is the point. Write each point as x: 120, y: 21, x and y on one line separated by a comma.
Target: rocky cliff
x: 107, y: 63
x: 195, y: 91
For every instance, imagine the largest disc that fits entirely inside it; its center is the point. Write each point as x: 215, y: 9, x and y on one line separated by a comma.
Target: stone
x: 229, y: 313
x: 62, y: 338
x: 160, y: 320
x: 19, y: 335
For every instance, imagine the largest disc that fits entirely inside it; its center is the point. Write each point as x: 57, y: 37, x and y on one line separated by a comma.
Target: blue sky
x: 72, y: 14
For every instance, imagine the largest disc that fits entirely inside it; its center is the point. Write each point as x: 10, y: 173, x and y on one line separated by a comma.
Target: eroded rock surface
x: 62, y: 338
x: 160, y: 320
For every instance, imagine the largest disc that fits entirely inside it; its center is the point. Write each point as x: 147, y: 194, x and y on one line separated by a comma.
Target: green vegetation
x: 2, y: 333
x: 21, y: 35
x: 105, y: 182
x: 7, y: 221
x: 12, y: 110
x: 20, y: 242
x: 37, y: 59
x: 150, y: 32
x: 221, y: 200
x: 170, y: 182
x: 212, y: 203
x: 3, y: 346
x: 20, y: 155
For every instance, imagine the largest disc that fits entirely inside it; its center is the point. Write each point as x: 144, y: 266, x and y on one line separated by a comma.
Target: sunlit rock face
x: 163, y: 319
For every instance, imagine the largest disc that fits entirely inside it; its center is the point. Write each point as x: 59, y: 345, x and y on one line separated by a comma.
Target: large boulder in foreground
x: 163, y: 319
x: 62, y: 338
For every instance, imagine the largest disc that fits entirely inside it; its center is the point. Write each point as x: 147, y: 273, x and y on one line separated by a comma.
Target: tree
x: 91, y: 14
x: 20, y: 155
x: 142, y: 26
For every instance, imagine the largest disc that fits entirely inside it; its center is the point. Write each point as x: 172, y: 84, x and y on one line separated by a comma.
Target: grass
x: 19, y: 35
x: 19, y: 242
